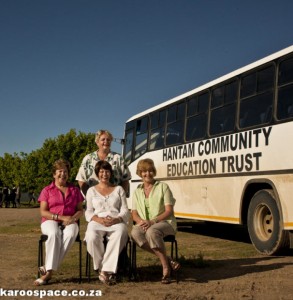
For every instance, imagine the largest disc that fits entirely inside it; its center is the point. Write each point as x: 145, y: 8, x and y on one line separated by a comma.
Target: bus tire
x: 264, y: 224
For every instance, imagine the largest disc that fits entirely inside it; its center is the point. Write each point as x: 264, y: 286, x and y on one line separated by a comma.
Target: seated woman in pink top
x: 60, y: 208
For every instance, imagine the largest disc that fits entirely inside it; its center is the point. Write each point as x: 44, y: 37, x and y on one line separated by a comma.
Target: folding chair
x: 167, y: 239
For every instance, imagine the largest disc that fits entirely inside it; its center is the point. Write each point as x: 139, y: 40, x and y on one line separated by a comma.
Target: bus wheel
x: 264, y: 224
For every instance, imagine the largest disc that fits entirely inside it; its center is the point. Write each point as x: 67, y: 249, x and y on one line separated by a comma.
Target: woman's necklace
x: 147, y: 190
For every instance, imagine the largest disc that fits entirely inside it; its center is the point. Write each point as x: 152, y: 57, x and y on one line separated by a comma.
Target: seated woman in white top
x: 107, y: 214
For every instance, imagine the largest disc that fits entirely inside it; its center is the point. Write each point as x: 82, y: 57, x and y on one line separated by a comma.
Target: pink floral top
x: 58, y: 203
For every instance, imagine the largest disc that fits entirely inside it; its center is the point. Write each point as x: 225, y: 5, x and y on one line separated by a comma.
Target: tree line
x: 31, y: 172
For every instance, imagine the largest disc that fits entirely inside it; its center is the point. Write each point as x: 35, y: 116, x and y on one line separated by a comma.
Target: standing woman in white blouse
x: 107, y: 215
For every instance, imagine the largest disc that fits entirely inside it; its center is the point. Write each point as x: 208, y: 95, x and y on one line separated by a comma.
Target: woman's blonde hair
x: 101, y: 132
x: 146, y: 164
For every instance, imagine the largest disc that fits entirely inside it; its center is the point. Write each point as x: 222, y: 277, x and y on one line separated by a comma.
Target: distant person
x: 32, y: 197
x: 5, y: 197
x: 60, y: 209
x: 13, y: 197
x: 1, y: 195
x: 18, y: 195
x: 153, y: 214
x: 86, y: 175
x: 107, y: 215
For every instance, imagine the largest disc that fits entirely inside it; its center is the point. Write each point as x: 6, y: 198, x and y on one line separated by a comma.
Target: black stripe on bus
x: 258, y: 173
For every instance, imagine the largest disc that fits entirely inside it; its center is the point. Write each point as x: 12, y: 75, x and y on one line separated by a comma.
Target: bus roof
x: 216, y: 81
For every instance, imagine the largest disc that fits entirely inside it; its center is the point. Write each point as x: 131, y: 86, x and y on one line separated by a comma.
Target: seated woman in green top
x: 152, y: 212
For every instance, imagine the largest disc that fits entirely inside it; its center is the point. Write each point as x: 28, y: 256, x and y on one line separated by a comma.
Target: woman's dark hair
x: 61, y: 164
x: 102, y: 164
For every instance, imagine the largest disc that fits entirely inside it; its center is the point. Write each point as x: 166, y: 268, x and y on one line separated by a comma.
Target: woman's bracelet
x: 55, y: 217
x: 155, y: 220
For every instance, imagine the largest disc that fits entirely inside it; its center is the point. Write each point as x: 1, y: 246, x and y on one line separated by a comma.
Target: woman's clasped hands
x: 67, y: 220
x: 109, y: 221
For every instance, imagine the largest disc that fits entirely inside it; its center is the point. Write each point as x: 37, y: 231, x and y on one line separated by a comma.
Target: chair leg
x: 121, y: 264
x: 174, y: 243
x: 127, y: 260
x: 133, y: 261
x: 88, y: 266
x: 123, y: 259
x: 130, y: 260
x: 80, y: 262
x: 176, y: 250
x: 40, y: 256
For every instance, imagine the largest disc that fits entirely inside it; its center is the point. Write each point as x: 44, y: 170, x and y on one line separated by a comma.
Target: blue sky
x: 92, y: 64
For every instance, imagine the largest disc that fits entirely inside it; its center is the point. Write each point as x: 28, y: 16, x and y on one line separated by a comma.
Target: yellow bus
x: 225, y: 149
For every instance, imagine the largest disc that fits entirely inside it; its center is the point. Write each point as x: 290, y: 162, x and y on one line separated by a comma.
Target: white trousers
x: 58, y: 242
x: 117, y: 236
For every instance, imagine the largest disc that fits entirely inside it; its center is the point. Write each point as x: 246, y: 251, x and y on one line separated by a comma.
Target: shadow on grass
x: 190, y: 271
x: 212, y: 270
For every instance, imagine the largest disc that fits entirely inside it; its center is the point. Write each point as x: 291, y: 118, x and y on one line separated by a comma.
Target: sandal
x: 42, y: 270
x: 166, y: 279
x: 41, y: 281
x: 106, y: 279
x: 112, y: 278
x: 175, y: 266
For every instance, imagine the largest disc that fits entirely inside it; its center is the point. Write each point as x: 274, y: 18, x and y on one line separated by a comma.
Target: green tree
x: 9, y: 170
x: 33, y: 171
x: 29, y: 171
x: 70, y: 146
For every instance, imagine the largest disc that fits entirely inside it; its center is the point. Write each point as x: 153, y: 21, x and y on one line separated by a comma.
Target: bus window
x: 223, y: 108
x: 285, y: 90
x: 286, y: 72
x: 141, y: 137
x: 175, y: 124
x: 196, y: 125
x: 128, y: 146
x: 256, y: 97
x: 285, y: 102
x: 257, y: 82
x: 248, y: 85
x: 158, y: 121
x: 127, y: 151
x: 266, y: 79
x: 256, y: 110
